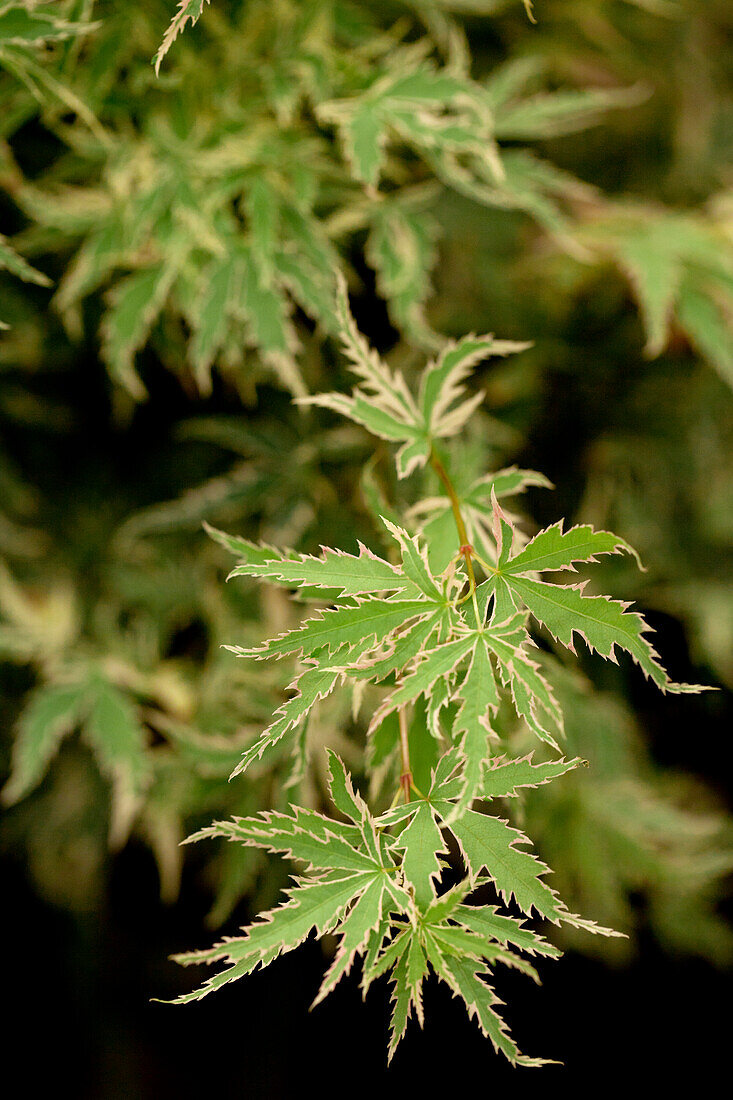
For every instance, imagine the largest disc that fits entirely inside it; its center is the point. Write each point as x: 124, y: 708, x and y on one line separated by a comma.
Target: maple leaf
x: 354, y: 885
x: 603, y: 624
x: 378, y: 895
x: 383, y: 403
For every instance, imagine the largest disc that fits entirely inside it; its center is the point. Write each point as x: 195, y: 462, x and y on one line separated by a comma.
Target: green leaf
x: 365, y: 412
x: 312, y: 906
x: 442, y: 382
x: 300, y: 837
x: 342, y: 626
x: 602, y: 623
x: 342, y: 791
x: 484, y: 920
x: 710, y: 329
x: 263, y: 211
x: 406, y: 992
x: 273, y: 823
x: 310, y: 687
x: 356, y: 875
x: 401, y: 250
x: 382, y: 401
x: 401, y: 650
x: 480, y: 999
x: 503, y: 483
x: 433, y: 665
x: 20, y: 25
x: 387, y: 386
x: 117, y: 738
x: 392, y: 950
x: 505, y: 777
x: 250, y: 552
x: 211, y: 320
x: 489, y: 842
x: 134, y: 305
x: 656, y: 274
x: 471, y: 730
x: 308, y: 263
x: 414, y: 561
x: 349, y: 575
x: 531, y: 694
x: 552, y: 114
x: 12, y: 261
x: 266, y: 311
x: 402, y: 1004
x: 422, y: 842
x: 51, y: 713
x: 355, y: 930
x: 364, y: 139
x: 554, y: 548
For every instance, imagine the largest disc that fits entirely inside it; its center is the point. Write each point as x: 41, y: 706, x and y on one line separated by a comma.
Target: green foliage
x: 680, y: 267
x: 375, y: 881
x: 230, y: 210
x: 194, y: 221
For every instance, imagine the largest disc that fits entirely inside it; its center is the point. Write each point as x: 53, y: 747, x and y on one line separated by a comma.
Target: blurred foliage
x: 168, y: 257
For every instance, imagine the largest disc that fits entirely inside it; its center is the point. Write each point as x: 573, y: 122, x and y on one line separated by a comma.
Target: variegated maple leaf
x: 448, y: 648
x: 564, y: 610
x: 383, y: 403
x: 376, y: 891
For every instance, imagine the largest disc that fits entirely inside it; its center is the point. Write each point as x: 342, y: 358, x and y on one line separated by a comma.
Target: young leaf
x: 443, y: 382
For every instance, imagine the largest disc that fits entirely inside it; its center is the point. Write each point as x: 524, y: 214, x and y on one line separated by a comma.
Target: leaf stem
x: 406, y: 777
x: 465, y: 548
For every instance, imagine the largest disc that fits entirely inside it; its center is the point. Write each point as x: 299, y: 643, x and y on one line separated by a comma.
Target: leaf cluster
x: 459, y: 646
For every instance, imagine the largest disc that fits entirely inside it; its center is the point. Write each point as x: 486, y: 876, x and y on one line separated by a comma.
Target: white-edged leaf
x: 422, y: 842
x: 310, y: 687
x: 488, y: 842
x: 480, y: 1000
x: 414, y: 561
x: 346, y: 574
x: 189, y: 11
x: 355, y: 930
x: 341, y: 626
x: 505, y: 777
x: 553, y: 549
x: 479, y: 695
x: 433, y: 665
x: 602, y: 623
x: 442, y: 382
